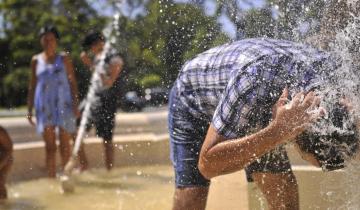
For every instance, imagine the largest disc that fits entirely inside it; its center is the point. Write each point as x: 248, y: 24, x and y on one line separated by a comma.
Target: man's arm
x: 116, y: 66
x: 220, y: 156
x: 86, y: 60
x: 6, y: 148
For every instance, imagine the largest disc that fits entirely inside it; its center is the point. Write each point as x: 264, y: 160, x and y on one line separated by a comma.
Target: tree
x: 155, y: 38
x: 22, y: 20
x: 254, y: 22
x: 259, y: 23
x: 297, y: 19
x: 159, y: 41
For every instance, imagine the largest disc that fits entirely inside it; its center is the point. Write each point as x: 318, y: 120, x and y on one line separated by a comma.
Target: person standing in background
x: 53, y: 91
x: 103, y: 114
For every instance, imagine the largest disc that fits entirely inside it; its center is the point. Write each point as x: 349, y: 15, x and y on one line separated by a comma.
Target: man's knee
x: 192, y: 198
x: 279, y: 189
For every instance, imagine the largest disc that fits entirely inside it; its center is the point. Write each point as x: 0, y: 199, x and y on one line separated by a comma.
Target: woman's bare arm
x: 73, y: 84
x: 31, y: 89
x: 116, y: 66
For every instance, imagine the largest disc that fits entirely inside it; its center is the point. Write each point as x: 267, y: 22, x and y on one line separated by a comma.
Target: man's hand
x: 291, y: 119
x: 281, y: 102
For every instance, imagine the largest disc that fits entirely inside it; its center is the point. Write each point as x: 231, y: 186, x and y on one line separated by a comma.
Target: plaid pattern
x: 235, y: 85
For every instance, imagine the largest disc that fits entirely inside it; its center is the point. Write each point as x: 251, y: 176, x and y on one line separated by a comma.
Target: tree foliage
x: 154, y: 42
x: 22, y: 20
x: 160, y: 41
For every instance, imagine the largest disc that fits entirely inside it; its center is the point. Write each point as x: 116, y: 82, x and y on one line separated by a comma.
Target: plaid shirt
x: 235, y: 85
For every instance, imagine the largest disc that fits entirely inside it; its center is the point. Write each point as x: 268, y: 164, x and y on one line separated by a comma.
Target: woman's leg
x: 65, y: 147
x: 50, y: 150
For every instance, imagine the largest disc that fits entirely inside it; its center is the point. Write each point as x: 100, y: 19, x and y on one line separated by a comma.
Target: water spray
x: 96, y: 85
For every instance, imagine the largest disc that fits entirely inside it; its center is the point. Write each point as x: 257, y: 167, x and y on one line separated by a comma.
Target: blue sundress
x: 53, y: 98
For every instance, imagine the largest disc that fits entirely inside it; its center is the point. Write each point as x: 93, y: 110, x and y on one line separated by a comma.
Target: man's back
x: 258, y: 69
x: 219, y: 62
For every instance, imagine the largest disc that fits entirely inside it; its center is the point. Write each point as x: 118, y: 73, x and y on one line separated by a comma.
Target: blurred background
x: 154, y: 36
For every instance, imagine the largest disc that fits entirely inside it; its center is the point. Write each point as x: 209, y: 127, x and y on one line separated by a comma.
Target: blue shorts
x: 187, y: 134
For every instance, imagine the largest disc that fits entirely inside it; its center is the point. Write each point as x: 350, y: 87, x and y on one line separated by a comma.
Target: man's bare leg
x: 279, y: 189
x: 84, y: 165
x: 109, y: 154
x: 190, y: 198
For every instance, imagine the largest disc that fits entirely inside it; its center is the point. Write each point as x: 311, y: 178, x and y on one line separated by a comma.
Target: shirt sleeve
x: 116, y: 60
x: 245, y: 97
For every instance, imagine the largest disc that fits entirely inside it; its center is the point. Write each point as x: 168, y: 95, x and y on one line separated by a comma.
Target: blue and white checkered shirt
x: 235, y: 85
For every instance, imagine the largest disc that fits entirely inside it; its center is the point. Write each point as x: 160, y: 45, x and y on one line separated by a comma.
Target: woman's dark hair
x: 92, y: 38
x: 49, y: 29
x: 332, y: 149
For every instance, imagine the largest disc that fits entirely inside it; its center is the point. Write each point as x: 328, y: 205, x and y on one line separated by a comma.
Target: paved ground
x: 152, y: 120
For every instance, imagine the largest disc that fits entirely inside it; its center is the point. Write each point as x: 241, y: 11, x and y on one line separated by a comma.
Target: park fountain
x: 136, y: 186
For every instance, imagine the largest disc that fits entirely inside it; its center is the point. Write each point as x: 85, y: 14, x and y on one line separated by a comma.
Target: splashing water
x: 346, y: 82
x: 332, y: 192
x: 348, y: 77
x: 344, y: 46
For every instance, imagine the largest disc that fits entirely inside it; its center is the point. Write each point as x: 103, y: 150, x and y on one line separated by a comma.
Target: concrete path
x: 154, y: 121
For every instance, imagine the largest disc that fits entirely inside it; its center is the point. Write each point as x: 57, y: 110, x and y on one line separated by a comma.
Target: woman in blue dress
x: 53, y: 92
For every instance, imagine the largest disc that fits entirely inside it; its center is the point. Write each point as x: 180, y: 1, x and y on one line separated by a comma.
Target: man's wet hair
x: 49, y: 29
x: 334, y: 148
x: 91, y: 38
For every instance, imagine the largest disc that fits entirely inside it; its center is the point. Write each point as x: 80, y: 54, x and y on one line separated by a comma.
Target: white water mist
x: 347, y: 76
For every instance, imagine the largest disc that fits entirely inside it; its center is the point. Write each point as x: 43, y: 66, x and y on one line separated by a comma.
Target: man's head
x: 333, y: 139
x: 94, y: 41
